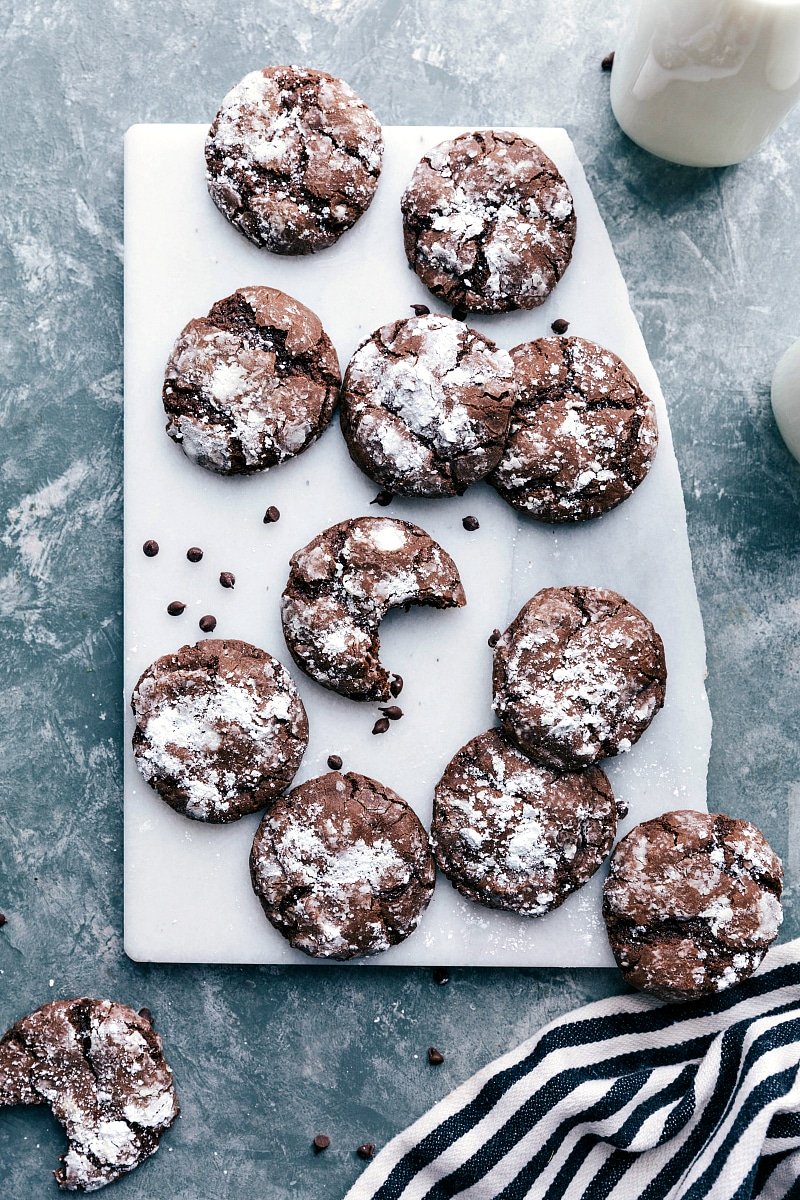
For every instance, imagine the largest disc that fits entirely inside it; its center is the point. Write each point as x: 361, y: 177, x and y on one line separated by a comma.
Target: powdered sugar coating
x: 100, y: 1067
x: 582, y: 436
x: 578, y: 676
x: 426, y: 404
x: 692, y: 903
x: 342, y: 867
x: 343, y: 583
x: 220, y: 729
x: 488, y: 222
x: 515, y: 835
x: 293, y: 158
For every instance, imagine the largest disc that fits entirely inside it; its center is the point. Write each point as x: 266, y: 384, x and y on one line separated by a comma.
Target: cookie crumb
x: 150, y: 548
x: 366, y: 1151
x: 208, y: 623
x: 271, y: 515
x: 383, y: 499
x: 194, y: 554
x: 381, y: 725
x: 459, y: 313
x: 393, y: 712
x: 560, y: 326
x: 494, y: 638
x: 175, y: 608
x: 335, y: 762
x: 608, y: 61
x: 420, y: 310
x: 321, y: 1142
x: 227, y: 579
x: 441, y: 975
x: 3, y: 920
x: 471, y: 524
x: 435, y: 1057
x: 622, y: 809
x: 396, y: 685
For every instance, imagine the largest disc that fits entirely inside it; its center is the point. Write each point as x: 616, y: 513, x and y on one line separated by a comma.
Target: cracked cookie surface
x: 100, y: 1067
x: 488, y: 222
x: 582, y: 435
x: 252, y: 384
x: 692, y: 903
x: 293, y: 158
x: 343, y: 583
x: 425, y: 406
x: 512, y: 834
x: 578, y: 676
x: 220, y: 729
x: 342, y: 867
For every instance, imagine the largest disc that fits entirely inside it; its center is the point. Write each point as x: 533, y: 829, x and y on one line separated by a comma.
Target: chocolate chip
x: 380, y: 725
x: 321, y: 1142
x: 459, y: 313
x: 383, y: 498
x: 175, y: 608
x: 367, y: 1151
x: 334, y: 762
x: 420, y: 310
x: 396, y: 686
x: 622, y: 810
x: 608, y: 61
x: 194, y: 554
x: 3, y: 920
x: 227, y: 579
x: 435, y: 1057
x: 208, y: 623
x: 560, y: 326
x: 392, y: 712
x: 150, y: 548
x: 494, y: 638
x: 271, y: 515
x: 145, y: 1012
x: 471, y: 524
x: 441, y: 975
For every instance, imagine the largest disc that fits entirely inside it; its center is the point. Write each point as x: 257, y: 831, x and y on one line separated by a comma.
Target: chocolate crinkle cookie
x: 252, y: 384
x: 582, y: 436
x: 692, y: 903
x: 488, y: 222
x: 220, y: 729
x: 343, y: 583
x: 515, y: 835
x: 426, y: 404
x: 342, y: 867
x: 578, y: 676
x: 293, y: 158
x: 100, y: 1067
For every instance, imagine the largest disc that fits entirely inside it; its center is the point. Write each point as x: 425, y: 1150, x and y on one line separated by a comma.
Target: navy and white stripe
x: 626, y: 1099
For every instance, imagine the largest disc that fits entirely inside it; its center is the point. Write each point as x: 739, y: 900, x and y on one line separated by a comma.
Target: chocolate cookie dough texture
x: 426, y: 404
x: 220, y: 729
x: 692, y: 903
x: 343, y: 583
x: 252, y: 384
x: 582, y: 436
x: 342, y: 867
x: 515, y: 835
x: 578, y: 676
x: 100, y: 1067
x: 488, y: 222
x: 293, y: 158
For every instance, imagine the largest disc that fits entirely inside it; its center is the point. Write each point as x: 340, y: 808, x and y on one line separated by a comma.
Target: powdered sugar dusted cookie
x: 220, y: 729
x: 582, y: 436
x: 343, y: 583
x: 426, y: 404
x: 578, y: 676
x: 100, y: 1067
x: 488, y: 221
x: 252, y: 384
x: 512, y: 834
x: 692, y: 903
x: 342, y: 867
x: 293, y: 158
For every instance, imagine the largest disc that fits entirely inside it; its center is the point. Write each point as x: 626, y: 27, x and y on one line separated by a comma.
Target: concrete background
x: 265, y: 1058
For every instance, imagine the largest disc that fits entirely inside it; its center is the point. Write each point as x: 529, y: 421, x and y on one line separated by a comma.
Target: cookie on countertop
x: 343, y: 583
x: 426, y: 404
x: 515, y: 835
x: 293, y: 158
x: 582, y: 436
x: 692, y: 903
x: 100, y: 1067
x: 488, y: 222
x: 342, y: 867
x: 252, y: 384
x: 578, y: 676
x: 220, y: 729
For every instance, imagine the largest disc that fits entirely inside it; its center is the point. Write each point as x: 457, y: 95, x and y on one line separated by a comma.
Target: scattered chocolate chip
x: 271, y: 515
x: 420, y: 310
x: 435, y: 1057
x: 396, y: 686
x: 145, y: 1012
x: 393, y: 712
x: 150, y: 548
x: 334, y: 762
x: 321, y: 1142
x: 459, y: 313
x: 175, y: 608
x: 608, y: 61
x: 208, y: 623
x: 622, y: 810
x: 383, y: 498
x: 227, y: 579
x: 441, y: 975
x: 471, y: 524
x: 3, y: 920
x: 380, y: 725
x: 194, y: 554
x: 560, y: 326
x: 367, y: 1151
x: 494, y: 638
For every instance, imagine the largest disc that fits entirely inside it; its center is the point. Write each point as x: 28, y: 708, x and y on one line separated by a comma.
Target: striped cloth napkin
x: 625, y: 1099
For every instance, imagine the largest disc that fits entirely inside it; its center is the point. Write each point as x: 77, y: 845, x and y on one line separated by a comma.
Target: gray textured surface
x: 265, y: 1058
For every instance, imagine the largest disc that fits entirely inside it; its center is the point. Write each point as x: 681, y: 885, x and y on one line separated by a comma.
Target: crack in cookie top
x: 489, y: 223
x: 252, y: 384
x: 100, y: 1067
x: 692, y: 903
x: 293, y: 158
x: 343, y: 583
x: 425, y: 405
x: 515, y: 835
x: 582, y: 436
x: 578, y: 676
x: 342, y: 867
x: 220, y: 729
